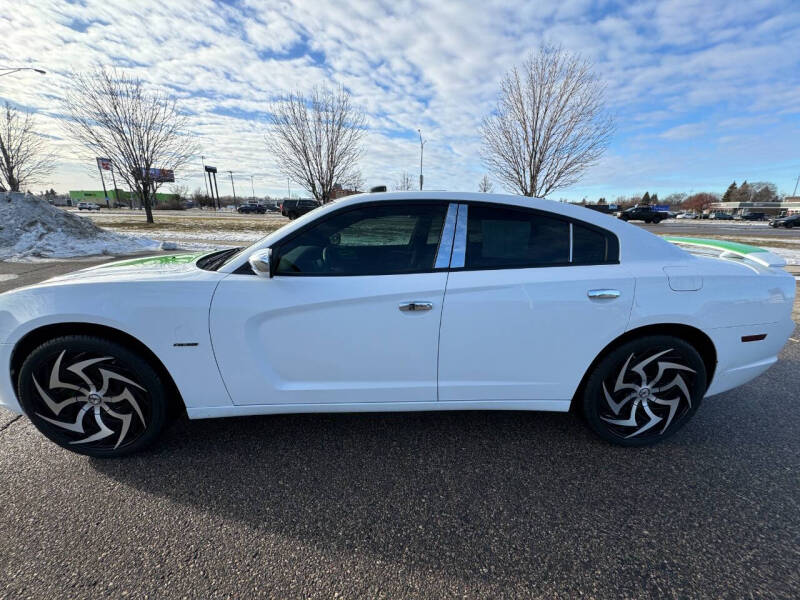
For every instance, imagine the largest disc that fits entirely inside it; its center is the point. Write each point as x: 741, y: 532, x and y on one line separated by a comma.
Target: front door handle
x: 603, y: 293
x: 414, y: 306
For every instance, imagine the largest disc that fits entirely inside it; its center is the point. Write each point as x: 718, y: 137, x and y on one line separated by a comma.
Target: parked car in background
x: 643, y: 213
x: 788, y: 221
x: 720, y: 216
x: 252, y: 208
x: 406, y: 301
x: 751, y: 216
x: 687, y: 215
x: 88, y: 206
x: 296, y: 208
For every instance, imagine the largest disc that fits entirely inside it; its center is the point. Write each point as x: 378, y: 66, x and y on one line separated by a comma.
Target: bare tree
x: 549, y: 125
x: 316, y: 140
x: 406, y: 182
x: 114, y: 116
x: 485, y: 185
x: 699, y: 202
x: 24, y: 159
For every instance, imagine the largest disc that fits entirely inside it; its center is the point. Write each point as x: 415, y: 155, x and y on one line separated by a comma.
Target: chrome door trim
x: 460, y: 239
x: 415, y: 306
x: 603, y: 293
x: 446, y: 242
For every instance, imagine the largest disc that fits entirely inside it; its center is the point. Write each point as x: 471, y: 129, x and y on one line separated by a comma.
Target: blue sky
x: 703, y: 92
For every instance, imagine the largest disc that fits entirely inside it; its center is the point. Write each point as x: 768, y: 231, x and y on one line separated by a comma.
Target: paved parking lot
x: 412, y: 505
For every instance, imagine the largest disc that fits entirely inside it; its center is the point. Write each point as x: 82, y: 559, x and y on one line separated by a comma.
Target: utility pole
x: 421, y: 149
x: 288, y: 189
x: 203, y: 160
x: 233, y: 188
x: 252, y: 189
x: 794, y: 193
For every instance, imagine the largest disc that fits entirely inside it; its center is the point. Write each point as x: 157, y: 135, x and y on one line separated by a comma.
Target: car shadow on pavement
x: 492, y: 496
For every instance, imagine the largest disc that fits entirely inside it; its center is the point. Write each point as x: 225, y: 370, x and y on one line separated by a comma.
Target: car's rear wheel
x: 92, y: 396
x: 645, y: 390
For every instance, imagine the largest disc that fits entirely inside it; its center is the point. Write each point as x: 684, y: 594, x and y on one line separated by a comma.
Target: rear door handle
x: 601, y: 294
x: 414, y: 306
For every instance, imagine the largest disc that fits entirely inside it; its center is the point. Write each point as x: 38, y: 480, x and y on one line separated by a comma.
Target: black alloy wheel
x: 645, y: 390
x: 92, y: 396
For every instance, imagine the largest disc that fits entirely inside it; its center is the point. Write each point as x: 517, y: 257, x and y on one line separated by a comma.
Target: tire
x: 789, y: 225
x: 292, y: 216
x: 111, y: 406
x: 619, y: 411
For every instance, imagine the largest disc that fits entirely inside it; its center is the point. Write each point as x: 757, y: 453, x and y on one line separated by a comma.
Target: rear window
x: 501, y: 237
x: 592, y: 246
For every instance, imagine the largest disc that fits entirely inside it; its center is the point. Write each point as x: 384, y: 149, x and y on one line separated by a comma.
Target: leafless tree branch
x: 549, y: 125
x: 405, y: 183
x: 485, y: 186
x: 316, y: 140
x: 112, y: 115
x: 24, y: 158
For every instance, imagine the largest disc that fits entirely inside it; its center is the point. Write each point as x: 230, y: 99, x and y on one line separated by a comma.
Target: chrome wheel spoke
x: 102, y: 434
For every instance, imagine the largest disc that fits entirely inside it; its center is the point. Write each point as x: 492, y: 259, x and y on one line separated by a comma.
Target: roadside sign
x: 104, y: 163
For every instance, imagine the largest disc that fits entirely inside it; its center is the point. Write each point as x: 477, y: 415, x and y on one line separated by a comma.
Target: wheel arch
x: 694, y: 336
x: 42, y: 334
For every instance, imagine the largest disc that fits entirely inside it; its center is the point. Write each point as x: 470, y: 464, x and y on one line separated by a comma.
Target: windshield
x: 309, y: 216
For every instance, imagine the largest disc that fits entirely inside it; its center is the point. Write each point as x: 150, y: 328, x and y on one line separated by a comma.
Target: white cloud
x: 676, y: 71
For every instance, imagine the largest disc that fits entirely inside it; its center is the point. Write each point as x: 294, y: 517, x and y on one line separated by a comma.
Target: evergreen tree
x: 654, y: 199
x: 646, y: 198
x: 730, y: 193
x: 745, y: 193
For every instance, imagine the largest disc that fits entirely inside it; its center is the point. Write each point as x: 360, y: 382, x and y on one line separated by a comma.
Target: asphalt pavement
x: 464, y: 504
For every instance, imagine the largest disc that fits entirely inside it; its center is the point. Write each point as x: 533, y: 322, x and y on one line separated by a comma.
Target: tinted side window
x: 501, y: 237
x: 371, y: 240
x: 592, y: 246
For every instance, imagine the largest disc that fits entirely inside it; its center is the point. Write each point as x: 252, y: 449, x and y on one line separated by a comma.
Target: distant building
x: 339, y: 192
x: 789, y: 206
x: 98, y: 197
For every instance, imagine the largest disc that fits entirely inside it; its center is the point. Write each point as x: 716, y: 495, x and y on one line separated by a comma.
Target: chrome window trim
x: 460, y: 240
x: 446, y: 241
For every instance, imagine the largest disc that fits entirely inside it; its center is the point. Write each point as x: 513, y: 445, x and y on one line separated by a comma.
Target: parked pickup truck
x: 295, y: 208
x: 643, y: 213
x: 252, y: 207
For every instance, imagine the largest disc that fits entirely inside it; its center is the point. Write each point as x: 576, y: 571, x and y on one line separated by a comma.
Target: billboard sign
x: 160, y: 175
x: 210, y: 169
x: 104, y: 164
x: 661, y: 207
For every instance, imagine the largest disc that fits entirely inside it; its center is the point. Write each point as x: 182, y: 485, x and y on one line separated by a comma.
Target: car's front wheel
x: 645, y: 390
x: 92, y: 396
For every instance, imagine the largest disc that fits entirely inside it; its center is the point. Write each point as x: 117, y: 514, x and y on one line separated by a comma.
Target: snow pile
x: 792, y: 256
x: 31, y: 227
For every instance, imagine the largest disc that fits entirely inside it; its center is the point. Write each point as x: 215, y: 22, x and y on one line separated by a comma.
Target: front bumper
x: 8, y: 396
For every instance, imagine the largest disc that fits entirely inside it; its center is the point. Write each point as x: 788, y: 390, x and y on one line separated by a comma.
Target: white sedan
x: 399, y: 302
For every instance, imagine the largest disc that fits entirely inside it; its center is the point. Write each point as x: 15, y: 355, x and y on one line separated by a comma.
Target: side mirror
x: 260, y: 262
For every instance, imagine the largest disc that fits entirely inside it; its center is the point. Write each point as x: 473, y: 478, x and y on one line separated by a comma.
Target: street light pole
x: 233, y: 188
x: 421, y: 150
x: 11, y: 70
x: 252, y: 189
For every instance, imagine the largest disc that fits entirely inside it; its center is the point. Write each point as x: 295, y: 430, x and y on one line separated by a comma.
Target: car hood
x: 172, y: 266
